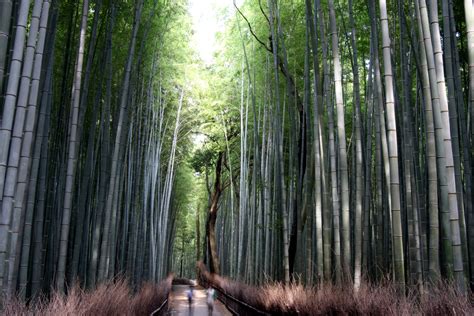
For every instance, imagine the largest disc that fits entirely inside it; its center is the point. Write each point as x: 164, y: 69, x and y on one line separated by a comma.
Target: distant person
x: 190, y: 294
x: 211, y: 295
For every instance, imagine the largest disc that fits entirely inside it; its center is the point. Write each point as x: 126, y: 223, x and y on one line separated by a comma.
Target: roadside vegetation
x: 110, y: 298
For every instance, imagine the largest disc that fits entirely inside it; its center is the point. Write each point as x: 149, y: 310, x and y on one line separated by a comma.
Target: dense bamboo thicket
x: 346, y: 143
x: 92, y: 113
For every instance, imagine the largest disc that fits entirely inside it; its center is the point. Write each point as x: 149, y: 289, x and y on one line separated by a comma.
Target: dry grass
x: 150, y: 297
x: 327, y: 299
x: 109, y: 298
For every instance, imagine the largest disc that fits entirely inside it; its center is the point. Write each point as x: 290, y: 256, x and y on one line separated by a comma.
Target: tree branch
x: 263, y: 12
x: 250, y: 28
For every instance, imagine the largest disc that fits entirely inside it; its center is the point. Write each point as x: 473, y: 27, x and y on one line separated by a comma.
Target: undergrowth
x: 110, y: 298
x: 329, y: 299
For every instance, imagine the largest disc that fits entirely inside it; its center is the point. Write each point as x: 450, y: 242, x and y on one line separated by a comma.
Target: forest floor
x: 178, y: 303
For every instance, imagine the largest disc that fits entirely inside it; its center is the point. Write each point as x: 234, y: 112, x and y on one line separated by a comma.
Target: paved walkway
x: 178, y: 303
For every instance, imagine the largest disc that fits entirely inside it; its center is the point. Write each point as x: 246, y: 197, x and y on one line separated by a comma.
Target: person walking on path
x: 190, y: 294
x: 178, y: 302
x: 211, y: 293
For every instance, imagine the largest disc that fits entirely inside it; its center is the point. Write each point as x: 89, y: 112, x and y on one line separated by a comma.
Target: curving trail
x: 178, y: 303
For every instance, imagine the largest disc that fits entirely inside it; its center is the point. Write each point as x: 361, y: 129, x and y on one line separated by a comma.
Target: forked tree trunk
x: 214, y: 265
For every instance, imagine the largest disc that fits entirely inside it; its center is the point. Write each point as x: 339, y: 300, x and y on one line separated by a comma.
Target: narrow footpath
x: 178, y: 303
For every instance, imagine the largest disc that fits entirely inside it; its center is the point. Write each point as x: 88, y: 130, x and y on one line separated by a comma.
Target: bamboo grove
x: 92, y: 113
x: 345, y: 150
x: 327, y: 141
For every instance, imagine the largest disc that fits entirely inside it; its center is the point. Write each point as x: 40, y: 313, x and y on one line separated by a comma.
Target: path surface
x: 178, y: 303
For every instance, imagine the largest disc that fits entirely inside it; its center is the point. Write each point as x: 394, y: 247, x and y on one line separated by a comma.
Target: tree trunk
x: 431, y: 156
x: 5, y: 20
x: 469, y: 13
x: 397, y: 237
x: 26, y: 147
x: 118, y: 135
x: 72, y: 155
x: 358, y: 172
x: 214, y: 266
x: 15, y: 139
x: 454, y: 208
x: 341, y: 133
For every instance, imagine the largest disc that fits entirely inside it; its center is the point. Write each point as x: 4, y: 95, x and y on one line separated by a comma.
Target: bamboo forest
x: 268, y: 157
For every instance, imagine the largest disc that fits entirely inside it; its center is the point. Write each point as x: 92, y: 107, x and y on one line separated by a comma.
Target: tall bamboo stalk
x: 6, y: 7
x: 397, y: 237
x: 72, y: 154
x: 342, y: 151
